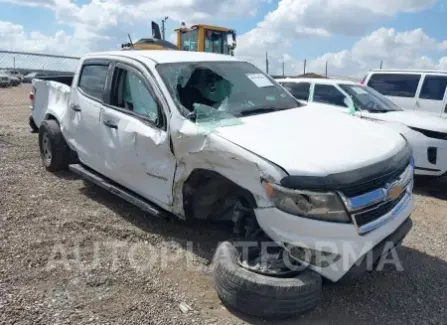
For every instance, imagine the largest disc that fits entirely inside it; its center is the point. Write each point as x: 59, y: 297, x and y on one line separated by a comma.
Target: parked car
x: 208, y: 136
x: 28, y: 78
x: 13, y: 78
x: 414, y: 90
x: 5, y: 81
x: 16, y: 74
x: 426, y: 133
x: 15, y: 81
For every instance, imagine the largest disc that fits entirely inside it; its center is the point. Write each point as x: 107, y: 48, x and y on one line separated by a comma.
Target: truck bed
x: 51, y: 96
x: 65, y: 79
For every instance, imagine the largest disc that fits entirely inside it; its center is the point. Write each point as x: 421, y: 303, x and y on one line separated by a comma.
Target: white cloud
x: 297, y: 19
x: 301, y: 18
x: 100, y: 14
x: 396, y: 49
x: 13, y: 37
x: 101, y: 24
x: 113, y: 19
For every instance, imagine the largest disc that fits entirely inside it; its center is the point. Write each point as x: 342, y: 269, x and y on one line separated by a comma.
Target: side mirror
x: 350, y: 104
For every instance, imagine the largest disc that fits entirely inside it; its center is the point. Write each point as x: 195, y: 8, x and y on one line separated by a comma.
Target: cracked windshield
x: 223, y: 91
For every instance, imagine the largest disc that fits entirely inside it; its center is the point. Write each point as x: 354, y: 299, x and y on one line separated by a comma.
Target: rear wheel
x: 53, y: 148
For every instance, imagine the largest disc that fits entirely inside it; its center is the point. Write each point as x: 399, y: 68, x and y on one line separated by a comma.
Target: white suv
x: 419, y: 90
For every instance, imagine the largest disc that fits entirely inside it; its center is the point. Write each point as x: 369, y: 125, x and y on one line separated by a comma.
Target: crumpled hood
x: 414, y: 119
x: 314, y: 141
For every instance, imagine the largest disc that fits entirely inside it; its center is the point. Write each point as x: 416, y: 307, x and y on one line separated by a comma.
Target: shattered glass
x: 208, y: 118
x: 213, y: 94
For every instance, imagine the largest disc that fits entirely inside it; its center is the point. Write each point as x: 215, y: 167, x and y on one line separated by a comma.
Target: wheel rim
x: 46, y: 149
x: 274, y: 267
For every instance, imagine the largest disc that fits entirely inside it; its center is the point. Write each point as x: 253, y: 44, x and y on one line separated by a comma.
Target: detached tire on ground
x: 260, y: 295
x: 53, y: 148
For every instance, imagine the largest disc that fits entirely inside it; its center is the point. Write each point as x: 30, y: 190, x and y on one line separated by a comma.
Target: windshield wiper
x: 261, y: 110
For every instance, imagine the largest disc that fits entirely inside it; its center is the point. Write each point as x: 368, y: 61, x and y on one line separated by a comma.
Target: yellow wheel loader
x: 197, y: 38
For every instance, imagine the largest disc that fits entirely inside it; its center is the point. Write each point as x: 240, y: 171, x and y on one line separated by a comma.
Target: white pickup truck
x: 207, y: 136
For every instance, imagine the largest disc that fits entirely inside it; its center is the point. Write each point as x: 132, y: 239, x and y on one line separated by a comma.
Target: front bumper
x: 430, y: 155
x: 341, y: 239
x: 367, y: 262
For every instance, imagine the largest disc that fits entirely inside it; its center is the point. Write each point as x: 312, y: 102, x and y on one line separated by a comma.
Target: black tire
x: 33, y: 125
x: 59, y: 153
x: 260, y: 295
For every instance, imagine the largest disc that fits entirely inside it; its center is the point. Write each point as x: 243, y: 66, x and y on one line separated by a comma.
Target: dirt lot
x: 72, y: 253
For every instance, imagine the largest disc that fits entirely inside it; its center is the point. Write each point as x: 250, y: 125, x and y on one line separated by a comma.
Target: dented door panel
x: 137, y: 155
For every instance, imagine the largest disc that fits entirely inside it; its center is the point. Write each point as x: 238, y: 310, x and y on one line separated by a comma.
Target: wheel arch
x: 213, y: 188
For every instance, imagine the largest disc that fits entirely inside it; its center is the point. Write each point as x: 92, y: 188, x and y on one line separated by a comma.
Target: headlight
x: 315, y: 205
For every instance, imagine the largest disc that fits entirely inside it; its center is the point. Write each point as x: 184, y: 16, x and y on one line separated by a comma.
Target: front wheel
x: 260, y: 295
x: 53, y: 148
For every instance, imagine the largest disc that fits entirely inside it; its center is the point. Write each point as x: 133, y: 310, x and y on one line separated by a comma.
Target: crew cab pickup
x: 208, y: 136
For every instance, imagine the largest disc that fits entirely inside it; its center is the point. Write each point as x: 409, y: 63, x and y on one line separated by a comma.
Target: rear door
x: 401, y: 88
x: 432, y: 96
x: 137, y: 151
x: 84, y: 109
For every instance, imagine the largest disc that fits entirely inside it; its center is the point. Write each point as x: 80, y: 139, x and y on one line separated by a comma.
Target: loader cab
x: 206, y: 38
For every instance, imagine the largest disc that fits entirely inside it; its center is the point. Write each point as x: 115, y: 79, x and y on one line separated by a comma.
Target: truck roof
x: 161, y: 56
x: 409, y: 71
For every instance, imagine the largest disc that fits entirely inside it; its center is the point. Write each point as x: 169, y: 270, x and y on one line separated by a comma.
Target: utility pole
x: 381, y: 65
x: 163, y: 29
x: 283, y: 68
x: 326, y: 70
x: 266, y: 63
x: 305, y: 61
x: 14, y: 62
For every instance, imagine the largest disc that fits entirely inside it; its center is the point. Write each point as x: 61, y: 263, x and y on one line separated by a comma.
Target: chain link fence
x: 17, y: 69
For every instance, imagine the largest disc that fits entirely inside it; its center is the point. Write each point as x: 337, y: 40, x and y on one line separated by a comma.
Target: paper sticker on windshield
x: 259, y: 79
x: 359, y: 90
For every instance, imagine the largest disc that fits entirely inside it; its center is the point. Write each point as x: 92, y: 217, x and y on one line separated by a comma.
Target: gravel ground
x: 73, y: 253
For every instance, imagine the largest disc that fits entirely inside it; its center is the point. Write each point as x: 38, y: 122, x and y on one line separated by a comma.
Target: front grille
x: 362, y: 188
x: 374, y: 212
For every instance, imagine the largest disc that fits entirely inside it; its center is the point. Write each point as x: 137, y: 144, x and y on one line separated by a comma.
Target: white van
x: 419, y: 90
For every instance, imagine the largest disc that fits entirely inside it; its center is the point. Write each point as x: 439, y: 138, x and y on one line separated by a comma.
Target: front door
x: 432, y: 96
x: 135, y: 137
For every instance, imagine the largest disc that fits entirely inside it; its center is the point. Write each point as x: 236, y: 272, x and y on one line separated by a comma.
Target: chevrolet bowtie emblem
x: 394, y: 191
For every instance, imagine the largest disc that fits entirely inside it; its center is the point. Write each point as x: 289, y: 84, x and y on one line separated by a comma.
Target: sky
x: 352, y: 36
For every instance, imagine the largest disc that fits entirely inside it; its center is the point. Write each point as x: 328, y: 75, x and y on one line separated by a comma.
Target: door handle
x: 110, y: 124
x: 75, y: 107
x: 445, y: 108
